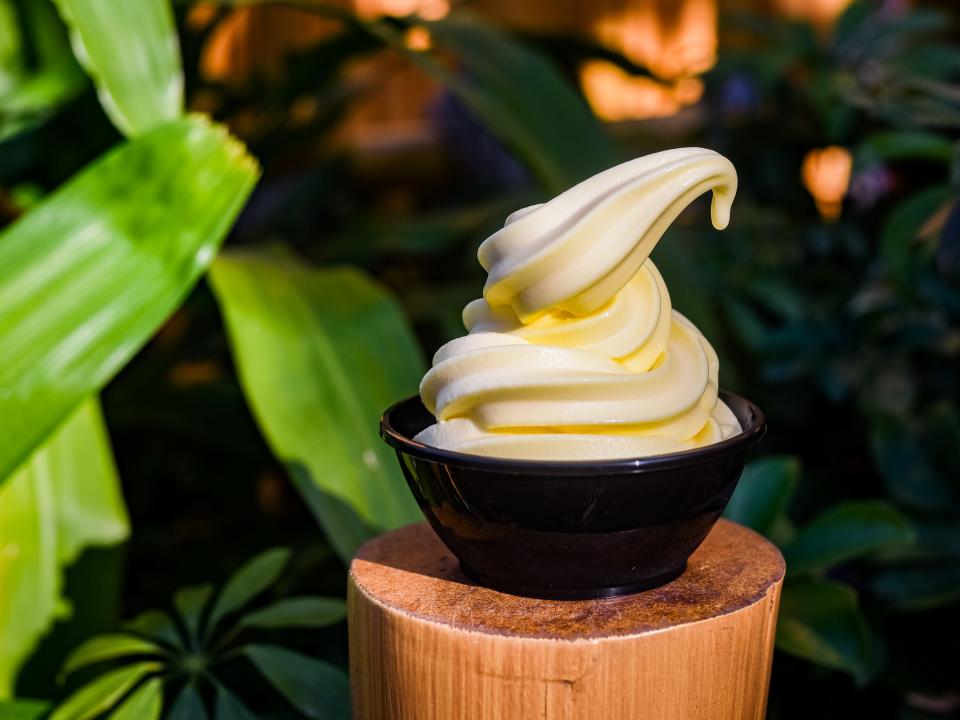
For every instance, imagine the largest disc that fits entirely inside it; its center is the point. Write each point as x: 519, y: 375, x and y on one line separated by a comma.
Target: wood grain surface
x: 426, y: 643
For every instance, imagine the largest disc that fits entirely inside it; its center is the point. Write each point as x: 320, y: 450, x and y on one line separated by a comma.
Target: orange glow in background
x: 818, y: 12
x: 427, y: 9
x: 675, y: 42
x: 826, y: 176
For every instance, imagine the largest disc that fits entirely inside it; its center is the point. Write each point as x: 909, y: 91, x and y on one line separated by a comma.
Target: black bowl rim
x: 746, y: 438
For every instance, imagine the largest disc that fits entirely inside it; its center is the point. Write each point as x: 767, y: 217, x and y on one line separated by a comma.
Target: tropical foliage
x: 180, y: 657
x: 241, y: 387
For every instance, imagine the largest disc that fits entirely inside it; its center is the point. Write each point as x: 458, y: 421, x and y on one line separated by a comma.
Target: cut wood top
x: 412, y: 572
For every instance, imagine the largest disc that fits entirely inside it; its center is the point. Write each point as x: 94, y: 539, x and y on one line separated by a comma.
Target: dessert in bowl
x: 575, y: 442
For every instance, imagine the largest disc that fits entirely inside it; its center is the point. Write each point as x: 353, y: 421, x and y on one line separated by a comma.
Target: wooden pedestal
x: 426, y: 643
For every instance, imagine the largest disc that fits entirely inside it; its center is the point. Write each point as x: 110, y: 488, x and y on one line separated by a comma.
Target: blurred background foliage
x: 240, y: 388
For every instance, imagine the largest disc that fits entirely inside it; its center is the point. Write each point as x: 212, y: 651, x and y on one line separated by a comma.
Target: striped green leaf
x: 130, y: 49
x: 64, y: 499
x: 321, y: 353
x: 90, y: 274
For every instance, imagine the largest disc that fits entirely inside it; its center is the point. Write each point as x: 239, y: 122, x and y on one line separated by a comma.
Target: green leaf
x: 31, y: 91
x: 229, y: 706
x: 24, y: 709
x: 764, y: 492
x: 306, y: 612
x: 919, y: 587
x: 65, y: 499
x: 521, y: 97
x: 902, y: 226
x: 931, y: 61
x: 188, y: 706
x: 89, y: 274
x: 820, y: 621
x: 191, y: 603
x: 248, y: 582
x: 102, y: 694
x: 321, y: 354
x: 108, y: 647
x: 847, y: 531
x: 131, y: 51
x: 906, y: 467
x: 144, y: 703
x: 851, y: 20
x: 315, y: 688
x: 155, y: 625
x: 903, y: 145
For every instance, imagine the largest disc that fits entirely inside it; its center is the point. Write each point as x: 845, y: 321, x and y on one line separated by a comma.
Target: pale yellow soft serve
x: 574, y: 352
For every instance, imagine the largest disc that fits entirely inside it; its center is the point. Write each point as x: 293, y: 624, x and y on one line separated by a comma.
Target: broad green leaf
x: 248, y: 582
x: 764, y: 492
x: 931, y: 61
x: 934, y: 540
x: 108, y: 647
x: 851, y: 20
x: 191, y: 603
x: 820, y: 621
x: 89, y: 274
x: 144, y: 703
x: 188, y: 705
x: 847, y: 531
x: 315, y: 688
x: 919, y: 587
x: 321, y: 353
x: 521, y: 97
x: 100, y: 695
x: 906, y: 466
x: 230, y: 707
x: 918, y: 23
x: 304, y: 612
x: 155, y: 625
x: 902, y: 226
x: 31, y: 91
x: 24, y: 709
x: 131, y: 51
x: 941, y: 538
x: 900, y: 145
x: 64, y: 499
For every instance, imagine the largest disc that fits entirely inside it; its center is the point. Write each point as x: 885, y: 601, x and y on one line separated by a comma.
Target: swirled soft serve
x: 574, y: 352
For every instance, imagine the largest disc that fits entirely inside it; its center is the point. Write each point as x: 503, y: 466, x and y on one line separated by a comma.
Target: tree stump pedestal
x: 427, y: 643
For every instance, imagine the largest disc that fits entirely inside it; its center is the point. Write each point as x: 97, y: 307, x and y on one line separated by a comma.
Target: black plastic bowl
x: 571, y: 529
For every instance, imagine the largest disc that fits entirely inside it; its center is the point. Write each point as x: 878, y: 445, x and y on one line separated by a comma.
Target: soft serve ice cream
x: 574, y: 352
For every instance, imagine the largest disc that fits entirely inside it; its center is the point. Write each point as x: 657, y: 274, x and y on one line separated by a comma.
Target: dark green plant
x: 846, y: 333
x: 86, y: 277
x: 171, y: 665
x: 820, y: 619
